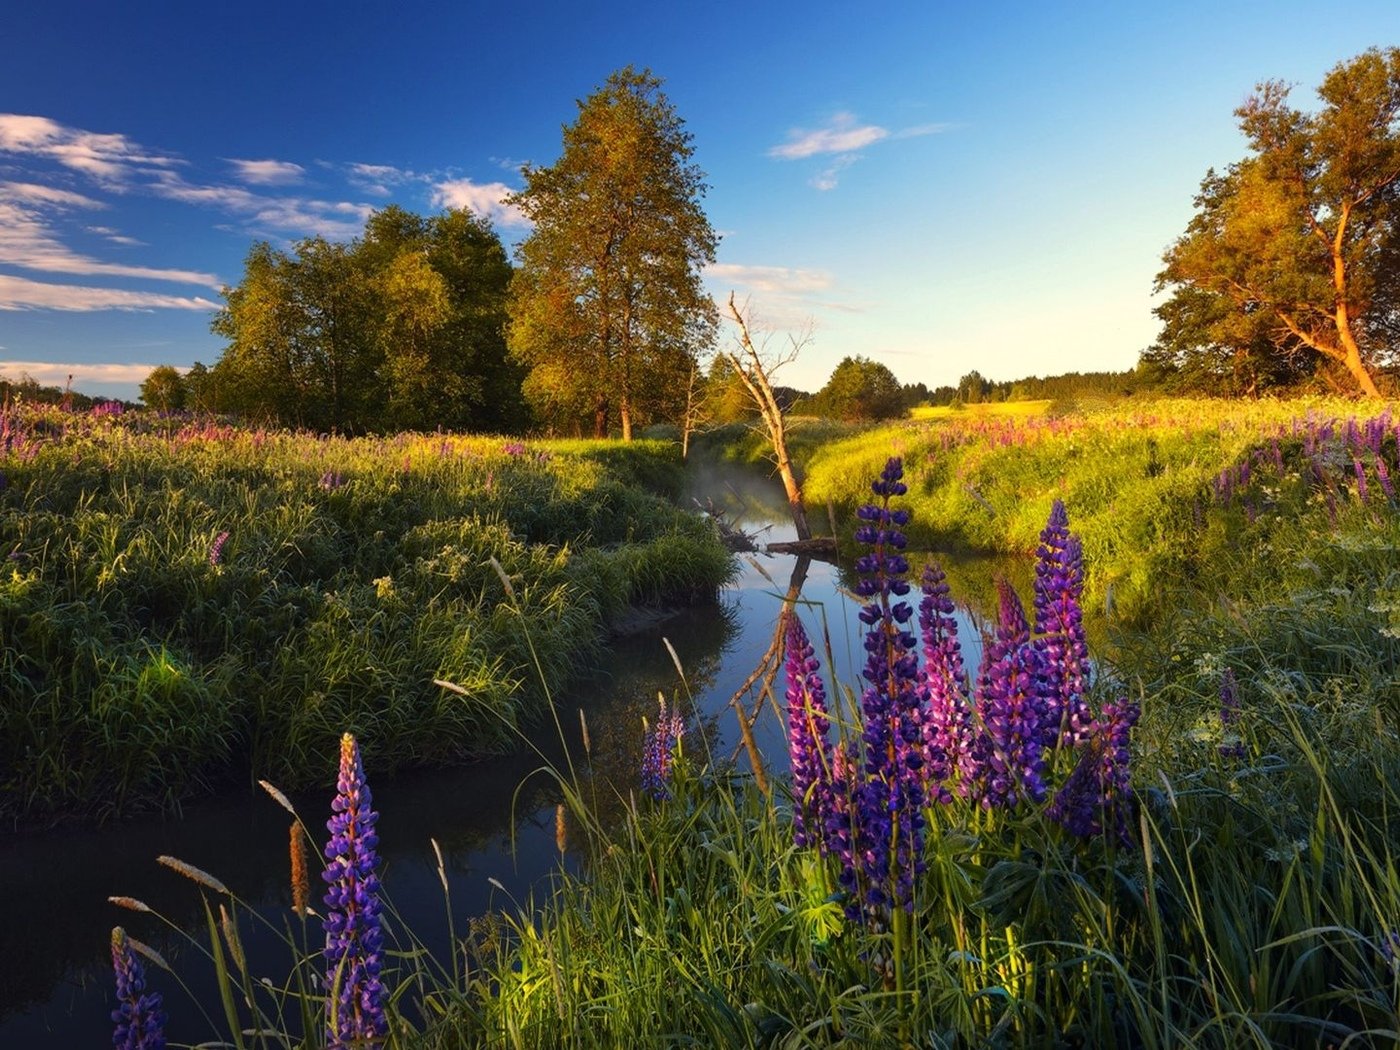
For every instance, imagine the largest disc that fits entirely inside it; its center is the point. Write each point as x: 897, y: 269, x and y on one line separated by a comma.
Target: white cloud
x: 112, y: 160
x: 842, y: 139
x: 843, y: 135
x: 33, y: 193
x: 782, y: 280
x: 268, y: 172
x: 336, y: 220
x: 379, y: 178
x: 484, y: 199
x: 28, y: 241
x: 18, y: 293
x: 56, y: 373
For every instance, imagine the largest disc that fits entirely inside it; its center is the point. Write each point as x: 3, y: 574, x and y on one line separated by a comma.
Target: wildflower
x: 1097, y: 797
x: 948, y: 730
x: 355, y: 1005
x: 216, y: 549
x: 888, y: 826
x: 513, y: 448
x: 138, y: 1017
x: 658, y: 751
x: 1059, y: 629
x: 808, y: 748
x: 1009, y: 700
x: 331, y: 480
x: 1361, y: 490
x: 1233, y: 747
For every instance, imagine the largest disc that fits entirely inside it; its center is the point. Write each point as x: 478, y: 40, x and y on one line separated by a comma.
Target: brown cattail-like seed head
x: 561, y: 828
x: 583, y: 723
x: 301, y: 887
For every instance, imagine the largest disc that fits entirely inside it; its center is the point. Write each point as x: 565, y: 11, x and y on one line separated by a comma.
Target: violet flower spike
x: 1232, y: 746
x: 888, y: 827
x: 1097, y: 797
x: 657, y: 752
x: 809, y: 749
x: 1059, y: 631
x: 354, y: 937
x: 138, y: 1017
x: 948, y: 729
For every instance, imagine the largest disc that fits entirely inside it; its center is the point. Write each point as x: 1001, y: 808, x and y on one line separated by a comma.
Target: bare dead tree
x: 756, y: 366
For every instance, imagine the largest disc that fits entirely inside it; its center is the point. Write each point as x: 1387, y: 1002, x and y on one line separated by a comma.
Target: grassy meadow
x: 1243, y: 557
x: 184, y: 602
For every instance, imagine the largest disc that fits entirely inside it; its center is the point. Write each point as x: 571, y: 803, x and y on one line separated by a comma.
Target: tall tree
x: 607, y: 310
x: 1300, y: 236
x: 860, y: 390
x: 403, y: 328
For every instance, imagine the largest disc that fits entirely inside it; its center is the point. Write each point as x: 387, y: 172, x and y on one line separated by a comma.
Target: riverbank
x: 187, y: 604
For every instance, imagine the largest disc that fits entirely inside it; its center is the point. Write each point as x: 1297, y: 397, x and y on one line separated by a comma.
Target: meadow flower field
x: 1189, y: 840
x: 185, y: 603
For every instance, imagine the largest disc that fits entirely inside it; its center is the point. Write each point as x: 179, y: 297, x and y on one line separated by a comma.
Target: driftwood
x: 823, y: 548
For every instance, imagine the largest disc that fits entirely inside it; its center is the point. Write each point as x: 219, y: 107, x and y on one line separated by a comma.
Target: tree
x: 860, y: 390
x: 607, y: 311
x: 163, y: 389
x: 973, y: 389
x: 1300, y: 238
x: 403, y: 328
x: 755, y: 369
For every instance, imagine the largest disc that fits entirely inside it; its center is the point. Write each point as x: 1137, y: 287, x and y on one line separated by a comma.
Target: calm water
x: 493, y: 819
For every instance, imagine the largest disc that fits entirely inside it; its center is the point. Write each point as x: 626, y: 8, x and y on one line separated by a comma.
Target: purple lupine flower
x: 355, y: 995
x: 1229, y: 717
x: 1013, y: 717
x: 889, y: 826
x: 1361, y: 490
x: 514, y: 448
x: 1096, y: 799
x: 1383, y: 476
x: 948, y: 729
x: 1059, y: 629
x: 809, y: 750
x: 331, y: 480
x: 657, y: 752
x: 216, y: 549
x: 138, y: 1017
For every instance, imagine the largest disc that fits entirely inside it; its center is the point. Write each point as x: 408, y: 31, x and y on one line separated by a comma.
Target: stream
x: 494, y: 819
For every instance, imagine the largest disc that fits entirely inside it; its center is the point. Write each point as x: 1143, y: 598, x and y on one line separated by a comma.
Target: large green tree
x: 607, y: 311
x: 860, y: 390
x: 1300, y: 237
x: 403, y: 328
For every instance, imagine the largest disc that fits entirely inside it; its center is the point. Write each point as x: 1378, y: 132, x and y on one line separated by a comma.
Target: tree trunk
x: 600, y: 418
x: 625, y: 412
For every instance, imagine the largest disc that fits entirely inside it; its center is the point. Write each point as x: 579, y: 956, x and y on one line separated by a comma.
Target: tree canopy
x: 1295, y: 247
x: 607, y: 312
x: 859, y: 390
x: 402, y: 328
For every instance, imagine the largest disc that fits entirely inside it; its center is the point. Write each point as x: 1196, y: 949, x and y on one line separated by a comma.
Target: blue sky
x: 940, y: 187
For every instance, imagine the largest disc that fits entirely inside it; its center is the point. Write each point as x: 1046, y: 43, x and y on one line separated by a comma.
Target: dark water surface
x: 494, y: 819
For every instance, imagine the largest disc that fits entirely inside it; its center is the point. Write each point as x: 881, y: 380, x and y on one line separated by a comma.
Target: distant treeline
x: 27, y: 388
x: 975, y: 389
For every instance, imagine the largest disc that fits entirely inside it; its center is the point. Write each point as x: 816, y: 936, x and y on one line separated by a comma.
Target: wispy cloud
x: 484, y: 199
x: 19, y: 293
x: 28, y: 240
x: 777, y: 297
x: 268, y: 172
x: 842, y: 135
x: 112, y: 160
x: 33, y: 193
x: 782, y: 280
x: 114, y: 236
x: 842, y: 139
x: 379, y: 179
x: 297, y: 215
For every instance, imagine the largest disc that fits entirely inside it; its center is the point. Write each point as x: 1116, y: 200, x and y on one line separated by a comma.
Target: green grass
x: 353, y: 575
x: 1256, y: 905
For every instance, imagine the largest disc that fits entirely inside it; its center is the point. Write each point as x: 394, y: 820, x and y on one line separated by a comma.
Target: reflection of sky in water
x: 494, y: 819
